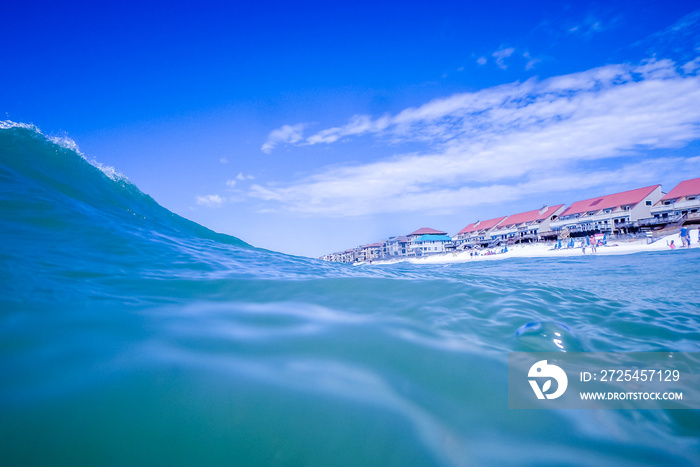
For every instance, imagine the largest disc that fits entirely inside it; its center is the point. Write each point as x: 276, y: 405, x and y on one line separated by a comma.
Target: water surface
x: 132, y: 336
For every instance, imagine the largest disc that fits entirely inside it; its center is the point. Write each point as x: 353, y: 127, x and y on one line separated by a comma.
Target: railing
x: 670, y: 221
x: 681, y: 219
x: 494, y: 243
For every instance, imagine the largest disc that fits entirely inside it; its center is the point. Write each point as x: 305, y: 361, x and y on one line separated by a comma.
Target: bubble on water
x: 547, y: 336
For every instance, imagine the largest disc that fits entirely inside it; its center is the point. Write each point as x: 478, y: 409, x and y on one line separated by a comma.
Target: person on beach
x: 593, y: 244
x: 671, y: 245
x: 684, y: 237
x: 583, y: 246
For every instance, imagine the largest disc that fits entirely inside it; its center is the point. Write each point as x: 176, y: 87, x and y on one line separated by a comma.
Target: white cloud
x: 692, y: 66
x: 481, y: 61
x: 500, y: 56
x: 223, y: 160
x: 285, y: 134
x: 587, y: 27
x: 510, y: 141
x: 531, y: 62
x: 232, y: 182
x: 212, y: 201
x: 358, y: 125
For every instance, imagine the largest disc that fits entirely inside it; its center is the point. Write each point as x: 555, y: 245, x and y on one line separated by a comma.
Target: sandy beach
x: 544, y: 250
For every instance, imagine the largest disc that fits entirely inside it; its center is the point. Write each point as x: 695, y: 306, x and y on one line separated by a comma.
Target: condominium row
x: 642, y: 209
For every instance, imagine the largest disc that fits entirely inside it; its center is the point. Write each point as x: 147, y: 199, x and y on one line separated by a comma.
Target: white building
x: 615, y: 213
x: 683, y: 200
x: 370, y: 252
x: 430, y: 244
x: 477, y: 233
x: 527, y: 226
x: 424, y: 231
x: 398, y: 246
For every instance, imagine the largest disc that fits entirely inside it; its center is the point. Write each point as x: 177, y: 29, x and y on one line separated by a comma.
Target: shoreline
x: 546, y: 250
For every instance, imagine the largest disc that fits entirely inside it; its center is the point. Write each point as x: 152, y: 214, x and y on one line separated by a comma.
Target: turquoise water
x: 131, y: 336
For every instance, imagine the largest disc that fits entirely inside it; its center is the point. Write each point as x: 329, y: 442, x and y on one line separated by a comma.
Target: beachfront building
x: 347, y: 256
x: 417, y: 247
x: 422, y: 241
x: 616, y: 213
x: 642, y: 209
x: 681, y: 203
x: 424, y: 231
x: 477, y: 233
x: 398, y: 246
x: 430, y: 244
x: 370, y: 252
x: 527, y: 226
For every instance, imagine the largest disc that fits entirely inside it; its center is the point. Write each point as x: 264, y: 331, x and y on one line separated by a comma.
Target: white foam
x: 67, y: 143
x: 7, y: 124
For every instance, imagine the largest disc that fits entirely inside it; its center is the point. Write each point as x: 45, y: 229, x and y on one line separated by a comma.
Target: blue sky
x: 310, y: 127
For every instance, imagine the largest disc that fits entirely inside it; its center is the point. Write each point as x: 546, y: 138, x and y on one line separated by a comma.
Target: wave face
x: 132, y: 336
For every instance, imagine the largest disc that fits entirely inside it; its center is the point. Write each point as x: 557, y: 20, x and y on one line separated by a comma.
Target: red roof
x: 372, y: 245
x: 531, y: 216
x: 685, y: 188
x: 485, y: 225
x: 428, y: 231
x: 625, y: 198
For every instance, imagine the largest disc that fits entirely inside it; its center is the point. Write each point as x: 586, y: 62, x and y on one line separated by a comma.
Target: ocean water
x: 132, y: 336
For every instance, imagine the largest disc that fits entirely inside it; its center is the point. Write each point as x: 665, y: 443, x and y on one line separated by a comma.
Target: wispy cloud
x: 510, y: 141
x: 682, y: 39
x: 285, y: 134
x: 531, y: 61
x: 587, y: 27
x: 500, y: 55
x: 241, y: 177
x: 212, y: 201
x: 358, y: 124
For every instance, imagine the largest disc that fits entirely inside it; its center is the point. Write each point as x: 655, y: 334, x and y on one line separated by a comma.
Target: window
x: 648, y: 202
